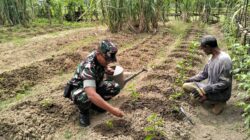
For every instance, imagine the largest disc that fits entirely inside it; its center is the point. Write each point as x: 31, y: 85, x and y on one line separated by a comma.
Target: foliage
x: 246, y: 114
x: 137, y: 15
x: 14, y: 12
x: 155, y: 126
x: 241, y: 60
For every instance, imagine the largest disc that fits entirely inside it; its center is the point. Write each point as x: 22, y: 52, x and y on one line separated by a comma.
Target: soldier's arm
x: 98, y: 101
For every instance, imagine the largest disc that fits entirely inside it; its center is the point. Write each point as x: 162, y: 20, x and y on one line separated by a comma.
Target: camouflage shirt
x: 89, y: 72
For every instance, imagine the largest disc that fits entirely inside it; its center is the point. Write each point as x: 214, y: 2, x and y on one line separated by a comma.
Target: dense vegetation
x: 137, y: 15
x: 235, y: 28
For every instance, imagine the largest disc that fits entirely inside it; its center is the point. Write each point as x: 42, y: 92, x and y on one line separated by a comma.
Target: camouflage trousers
x: 107, y: 90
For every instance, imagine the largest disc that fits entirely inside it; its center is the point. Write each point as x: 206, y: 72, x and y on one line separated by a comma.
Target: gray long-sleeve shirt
x: 218, y: 73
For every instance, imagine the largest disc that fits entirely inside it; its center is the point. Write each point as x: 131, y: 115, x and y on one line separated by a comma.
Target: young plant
x: 134, y: 94
x: 175, y: 96
x: 192, y: 48
x: 47, y: 103
x: 109, y: 124
x: 181, y: 69
x: 68, y: 134
x: 154, y: 127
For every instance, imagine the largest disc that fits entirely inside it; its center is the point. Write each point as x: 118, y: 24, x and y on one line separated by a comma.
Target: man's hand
x: 188, y: 81
x: 199, y: 95
x: 195, y: 94
x: 117, y: 112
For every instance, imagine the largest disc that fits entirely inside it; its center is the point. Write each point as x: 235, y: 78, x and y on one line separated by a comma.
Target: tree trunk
x: 32, y: 9
x: 141, y: 17
x: 176, y: 8
x: 245, y: 24
x: 103, y: 10
x: 49, y: 13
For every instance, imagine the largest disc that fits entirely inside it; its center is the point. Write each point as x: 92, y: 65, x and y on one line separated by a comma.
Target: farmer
x: 217, y: 71
x: 89, y: 89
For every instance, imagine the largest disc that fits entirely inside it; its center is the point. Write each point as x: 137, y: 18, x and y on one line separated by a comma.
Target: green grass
x: 39, y: 26
x: 177, y: 27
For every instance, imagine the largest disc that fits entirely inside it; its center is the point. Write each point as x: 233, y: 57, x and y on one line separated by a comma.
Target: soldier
x: 217, y: 71
x: 88, y: 89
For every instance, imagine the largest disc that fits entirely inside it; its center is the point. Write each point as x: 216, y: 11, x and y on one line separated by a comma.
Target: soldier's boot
x: 218, y: 108
x: 84, y: 118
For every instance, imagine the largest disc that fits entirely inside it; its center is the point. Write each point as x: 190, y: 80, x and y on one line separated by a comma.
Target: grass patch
x: 177, y: 28
x: 39, y: 26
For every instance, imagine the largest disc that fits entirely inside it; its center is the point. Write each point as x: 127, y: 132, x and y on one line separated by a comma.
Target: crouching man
x: 87, y: 87
x: 217, y: 71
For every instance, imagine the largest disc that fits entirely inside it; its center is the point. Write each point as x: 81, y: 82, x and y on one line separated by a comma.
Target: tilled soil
x: 114, y: 128
x: 35, y: 119
x: 41, y: 116
x: 167, y: 109
x: 15, y: 56
x: 18, y: 80
x: 143, y: 53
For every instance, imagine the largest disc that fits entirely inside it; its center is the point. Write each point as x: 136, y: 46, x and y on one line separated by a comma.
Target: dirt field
x: 33, y: 74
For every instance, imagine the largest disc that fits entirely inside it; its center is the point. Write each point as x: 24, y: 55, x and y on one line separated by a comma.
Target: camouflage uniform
x: 91, y: 73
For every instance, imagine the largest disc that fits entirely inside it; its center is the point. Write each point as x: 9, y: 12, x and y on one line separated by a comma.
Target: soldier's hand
x: 109, y: 71
x: 117, y: 112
